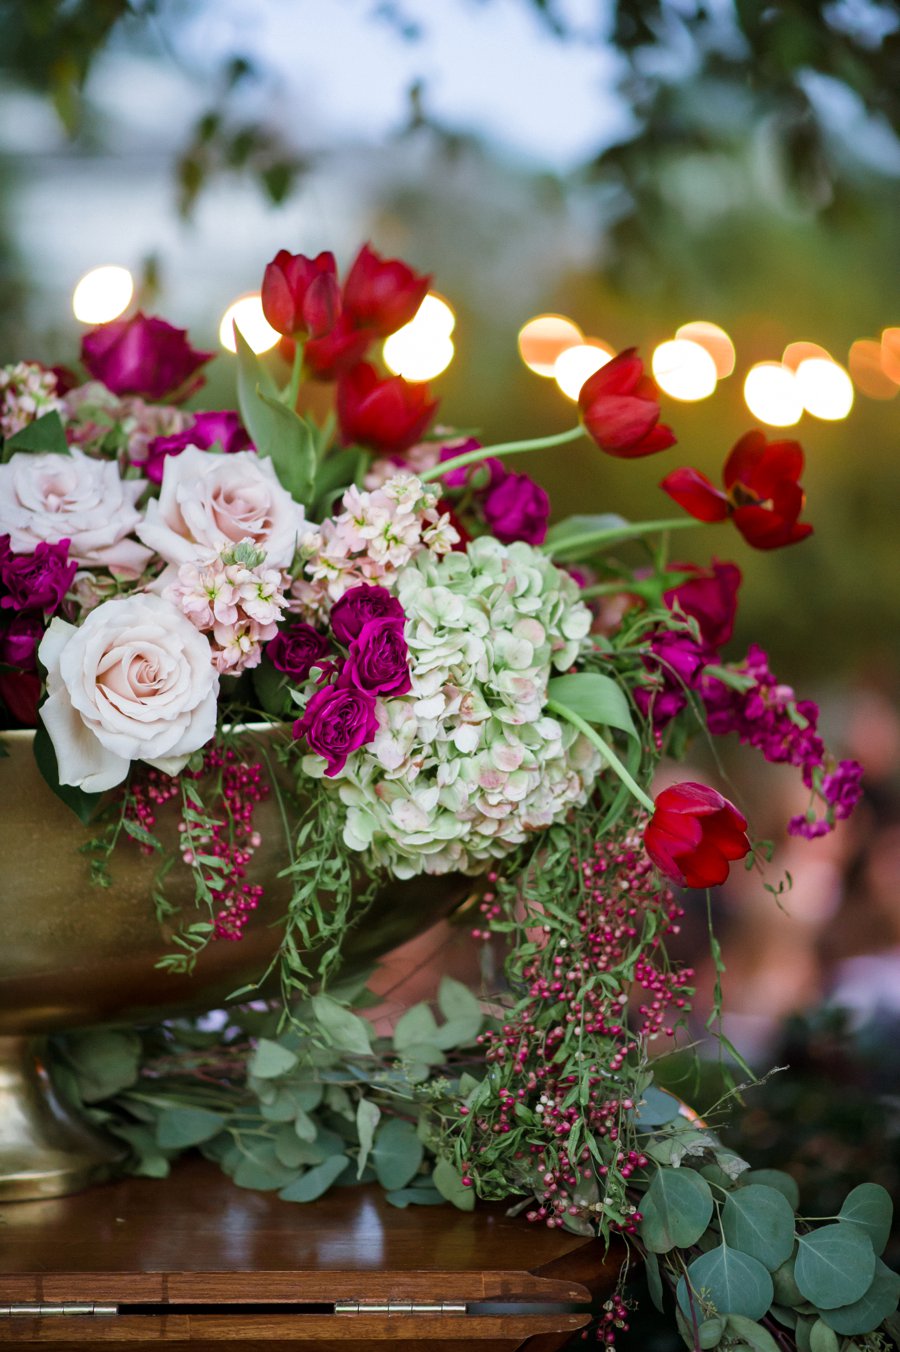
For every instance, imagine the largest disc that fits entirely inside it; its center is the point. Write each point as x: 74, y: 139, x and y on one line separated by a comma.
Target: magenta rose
x: 709, y: 597
x: 37, y: 581
x: 517, y: 508
x: 337, y: 721
x: 379, y: 659
x: 143, y: 355
x: 19, y: 639
x: 296, y: 649
x: 220, y: 426
x: 358, y: 606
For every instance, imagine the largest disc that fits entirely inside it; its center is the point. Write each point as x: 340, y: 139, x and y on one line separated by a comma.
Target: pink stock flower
x: 236, y: 600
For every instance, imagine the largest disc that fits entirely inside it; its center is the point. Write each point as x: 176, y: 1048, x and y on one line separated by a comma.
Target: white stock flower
x: 74, y: 497
x: 207, y: 500
x: 133, y: 682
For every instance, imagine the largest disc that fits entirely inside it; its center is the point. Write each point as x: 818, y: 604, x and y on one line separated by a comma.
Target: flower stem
x: 504, y: 448
x: 293, y: 388
x: 605, y: 750
x: 613, y: 534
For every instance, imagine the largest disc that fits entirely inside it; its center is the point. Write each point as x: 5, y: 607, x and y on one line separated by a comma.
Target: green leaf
x: 417, y: 1025
x: 457, y: 1032
x: 656, y: 1108
x: 261, y: 1170
x: 654, y: 1280
x: 565, y: 539
x: 405, y: 1197
x: 787, y: 1292
x: 774, y: 1178
x: 878, y: 1303
x: 595, y: 698
x: 105, y: 1061
x: 335, y: 473
x: 456, y: 1001
x: 709, y: 1334
x: 315, y: 1181
x: 44, y: 434
x: 268, y: 683
x: 760, y: 1221
x: 732, y: 1281
x: 822, y: 1338
x: 343, y: 1029
x: 448, y: 1181
x: 84, y: 805
x: 870, y: 1207
x: 368, y: 1115
x: 835, y: 1265
x: 753, y: 1334
x: 801, y: 1334
x: 677, y: 1208
x: 278, y: 432
x: 178, y: 1128
x: 270, y: 1059
x: 397, y: 1153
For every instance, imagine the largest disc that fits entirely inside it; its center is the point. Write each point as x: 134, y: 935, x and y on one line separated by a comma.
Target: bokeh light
x: 256, y: 331
x: 423, y: 348
x: 102, y: 294
x: 795, y: 353
x: 543, y: 339
x: 772, y: 394
x: 684, y: 370
x: 867, y: 372
x: 714, y: 340
x: 890, y: 354
x: 577, y: 364
x: 825, y: 388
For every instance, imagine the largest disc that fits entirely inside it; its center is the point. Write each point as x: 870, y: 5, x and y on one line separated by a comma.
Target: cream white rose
x: 208, y: 500
x: 133, y: 682
x: 74, y: 497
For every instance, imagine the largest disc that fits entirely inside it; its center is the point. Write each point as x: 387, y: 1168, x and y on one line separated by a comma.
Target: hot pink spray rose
x: 337, y: 721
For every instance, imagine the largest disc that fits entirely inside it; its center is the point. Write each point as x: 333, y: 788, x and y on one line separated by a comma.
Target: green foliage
x: 595, y: 698
x: 869, y: 1206
x: 84, y: 805
x: 834, y: 1266
x: 728, y: 1281
x: 44, y: 434
x: 676, y: 1208
x: 759, y: 1221
x: 278, y: 433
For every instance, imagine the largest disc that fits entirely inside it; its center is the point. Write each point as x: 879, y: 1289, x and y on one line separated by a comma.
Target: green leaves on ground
x: 835, y: 1265
x: 759, y: 1221
x: 677, y: 1208
x: 315, y: 1181
x: 731, y: 1281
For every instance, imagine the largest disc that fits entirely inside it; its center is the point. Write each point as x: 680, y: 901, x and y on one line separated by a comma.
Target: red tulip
x: 329, y: 356
x: 382, y: 294
x: 694, y: 834
x: 620, y: 409
x: 388, y: 416
x: 762, y: 492
x: 300, y: 295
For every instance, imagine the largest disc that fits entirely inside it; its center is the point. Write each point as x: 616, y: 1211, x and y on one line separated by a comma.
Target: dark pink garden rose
x: 379, y: 659
x: 709, y: 597
x: 337, y: 721
x: 19, y: 638
x: 218, y: 426
x: 296, y: 649
x: 358, y: 606
x: 517, y: 508
x: 37, y: 581
x: 143, y: 355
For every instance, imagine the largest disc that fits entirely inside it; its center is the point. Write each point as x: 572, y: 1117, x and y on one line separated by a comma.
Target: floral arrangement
x: 465, y: 689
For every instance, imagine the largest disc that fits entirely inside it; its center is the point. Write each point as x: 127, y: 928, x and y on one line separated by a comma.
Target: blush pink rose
x: 208, y: 501
x: 133, y: 682
x: 51, y: 497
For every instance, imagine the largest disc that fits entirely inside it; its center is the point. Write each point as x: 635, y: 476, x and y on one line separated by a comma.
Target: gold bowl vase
x: 74, y: 954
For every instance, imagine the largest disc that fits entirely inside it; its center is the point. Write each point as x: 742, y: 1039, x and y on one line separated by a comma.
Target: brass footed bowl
x: 74, y: 954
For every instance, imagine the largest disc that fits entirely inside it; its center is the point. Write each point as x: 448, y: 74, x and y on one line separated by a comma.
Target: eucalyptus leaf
x: 294, y: 1153
x: 105, y: 1061
x: 835, y: 1265
x: 760, y: 1221
x: 368, y: 1115
x: 877, y: 1304
x: 656, y: 1108
x: 270, y: 1059
x: 344, y: 1029
x: 654, y: 1280
x: 456, y: 1001
x: 417, y: 1025
x: 787, y: 1292
x: 595, y: 698
x: 732, y: 1281
x: 179, y: 1128
x: 801, y: 1334
x: 457, y: 1032
x: 709, y: 1334
x: 315, y: 1181
x: 405, y: 1197
x: 870, y: 1207
x: 448, y: 1181
x: 753, y: 1334
x: 774, y: 1178
x: 677, y: 1208
x: 397, y: 1153
x: 822, y: 1338
x: 262, y: 1170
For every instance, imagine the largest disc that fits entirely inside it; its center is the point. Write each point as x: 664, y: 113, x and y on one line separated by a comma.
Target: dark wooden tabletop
x: 197, y: 1239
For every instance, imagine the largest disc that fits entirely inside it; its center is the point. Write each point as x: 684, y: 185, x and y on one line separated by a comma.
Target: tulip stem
x: 631, y: 530
x: 293, y: 389
x: 504, y: 448
x: 605, y: 750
